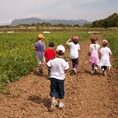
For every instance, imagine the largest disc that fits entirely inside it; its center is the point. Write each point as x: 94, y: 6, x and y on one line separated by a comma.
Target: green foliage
x: 17, y: 55
x: 87, y: 25
x: 111, y: 21
x: 113, y: 43
x: 76, y: 25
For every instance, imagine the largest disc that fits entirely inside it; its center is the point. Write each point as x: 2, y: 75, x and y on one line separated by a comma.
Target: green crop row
x: 17, y: 55
x: 113, y: 43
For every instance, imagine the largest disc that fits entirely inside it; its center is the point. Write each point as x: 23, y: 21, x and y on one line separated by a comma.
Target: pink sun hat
x: 75, y: 38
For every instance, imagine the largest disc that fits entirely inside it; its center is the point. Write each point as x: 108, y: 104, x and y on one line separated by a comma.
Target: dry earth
x: 86, y: 95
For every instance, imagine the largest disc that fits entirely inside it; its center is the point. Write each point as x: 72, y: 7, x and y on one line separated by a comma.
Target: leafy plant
x: 17, y: 56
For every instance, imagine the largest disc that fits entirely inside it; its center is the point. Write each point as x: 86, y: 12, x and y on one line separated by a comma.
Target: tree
x: 76, y: 25
x: 87, y: 25
x: 45, y: 24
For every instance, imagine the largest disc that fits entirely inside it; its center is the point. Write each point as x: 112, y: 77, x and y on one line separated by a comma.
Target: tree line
x: 111, y: 21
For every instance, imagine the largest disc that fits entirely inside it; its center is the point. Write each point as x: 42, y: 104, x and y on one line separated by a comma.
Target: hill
x: 30, y: 21
x: 111, y: 21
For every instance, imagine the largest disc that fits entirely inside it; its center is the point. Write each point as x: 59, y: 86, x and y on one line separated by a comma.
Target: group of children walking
x: 99, y: 57
x: 57, y: 65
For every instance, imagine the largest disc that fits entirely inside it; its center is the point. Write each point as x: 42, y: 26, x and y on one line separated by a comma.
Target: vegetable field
x: 113, y: 41
x: 17, y: 55
x: 86, y: 95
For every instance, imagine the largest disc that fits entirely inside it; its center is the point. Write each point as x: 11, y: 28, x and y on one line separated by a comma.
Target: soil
x: 86, y: 95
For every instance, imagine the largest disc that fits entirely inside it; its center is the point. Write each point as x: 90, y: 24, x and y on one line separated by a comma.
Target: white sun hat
x: 60, y: 47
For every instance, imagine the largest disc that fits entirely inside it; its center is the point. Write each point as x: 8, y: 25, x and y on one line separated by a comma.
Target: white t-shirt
x: 58, y: 67
x: 74, y: 48
x: 105, y: 59
x: 94, y: 48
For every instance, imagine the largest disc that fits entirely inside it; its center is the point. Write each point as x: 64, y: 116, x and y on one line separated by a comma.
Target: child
x: 57, y: 76
x: 94, y: 51
x: 50, y: 54
x: 74, y: 52
x: 39, y: 47
x: 105, y: 56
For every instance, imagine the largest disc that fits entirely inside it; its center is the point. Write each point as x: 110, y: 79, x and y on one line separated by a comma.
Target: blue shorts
x: 57, y: 88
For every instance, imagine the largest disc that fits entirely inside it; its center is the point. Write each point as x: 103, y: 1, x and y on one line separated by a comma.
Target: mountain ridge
x: 32, y: 20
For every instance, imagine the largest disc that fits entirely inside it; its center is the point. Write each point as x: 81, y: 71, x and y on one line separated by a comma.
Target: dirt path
x: 87, y: 96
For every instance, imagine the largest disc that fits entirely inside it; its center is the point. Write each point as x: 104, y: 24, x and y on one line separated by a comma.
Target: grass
x: 112, y: 38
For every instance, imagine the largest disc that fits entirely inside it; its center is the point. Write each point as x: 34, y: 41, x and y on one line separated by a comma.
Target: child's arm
x: 68, y: 41
x: 99, y: 53
x: 110, y: 53
x: 89, y: 52
x: 35, y: 48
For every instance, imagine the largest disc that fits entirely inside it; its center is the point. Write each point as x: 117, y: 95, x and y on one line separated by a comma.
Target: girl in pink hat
x: 74, y: 52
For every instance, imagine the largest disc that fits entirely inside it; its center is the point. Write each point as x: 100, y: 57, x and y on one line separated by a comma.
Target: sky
x: 89, y: 10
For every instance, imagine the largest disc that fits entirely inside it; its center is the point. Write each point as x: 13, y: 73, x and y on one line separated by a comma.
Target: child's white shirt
x: 94, y: 48
x: 74, y: 50
x: 105, y: 59
x: 58, y: 67
x: 105, y: 51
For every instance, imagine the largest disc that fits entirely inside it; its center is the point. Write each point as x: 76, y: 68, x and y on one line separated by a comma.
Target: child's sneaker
x: 92, y: 72
x: 102, y: 69
x: 53, y: 105
x: 104, y: 72
x: 40, y: 71
x: 74, y: 70
x: 61, y: 105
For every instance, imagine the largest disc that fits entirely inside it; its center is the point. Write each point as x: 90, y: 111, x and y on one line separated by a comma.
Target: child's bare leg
x: 41, y: 67
x: 52, y: 98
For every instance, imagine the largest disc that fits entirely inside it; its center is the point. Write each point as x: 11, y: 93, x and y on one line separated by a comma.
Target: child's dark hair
x: 93, y: 40
x: 51, y: 44
x: 60, y: 52
x: 75, y: 42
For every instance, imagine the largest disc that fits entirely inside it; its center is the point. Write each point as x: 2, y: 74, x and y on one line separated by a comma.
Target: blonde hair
x: 104, y: 43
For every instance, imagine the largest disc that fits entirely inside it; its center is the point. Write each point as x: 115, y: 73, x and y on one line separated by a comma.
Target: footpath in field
x: 86, y: 95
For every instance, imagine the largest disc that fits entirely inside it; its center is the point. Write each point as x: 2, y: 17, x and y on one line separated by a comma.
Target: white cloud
x: 71, y: 9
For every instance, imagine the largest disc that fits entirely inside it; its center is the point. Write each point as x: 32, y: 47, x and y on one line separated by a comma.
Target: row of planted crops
x: 17, y: 55
x: 112, y: 37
